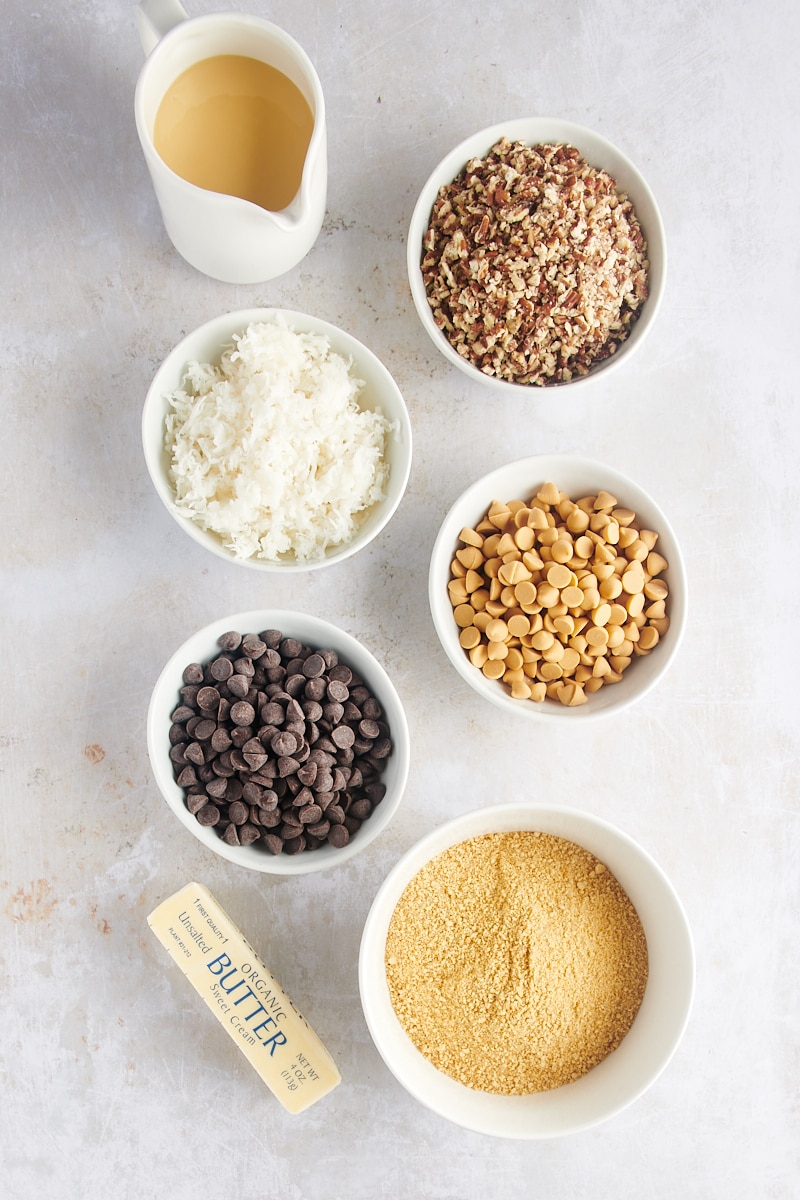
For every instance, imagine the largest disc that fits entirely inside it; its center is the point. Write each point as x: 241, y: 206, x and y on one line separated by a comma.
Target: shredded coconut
x: 270, y: 449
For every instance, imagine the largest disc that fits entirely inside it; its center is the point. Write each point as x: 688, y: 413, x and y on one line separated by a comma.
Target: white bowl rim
x: 614, y: 701
x: 377, y: 1008
x: 221, y: 329
x: 354, y: 653
x: 533, y: 130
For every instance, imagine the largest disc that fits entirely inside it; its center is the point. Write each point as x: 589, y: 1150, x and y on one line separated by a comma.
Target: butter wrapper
x: 245, y: 997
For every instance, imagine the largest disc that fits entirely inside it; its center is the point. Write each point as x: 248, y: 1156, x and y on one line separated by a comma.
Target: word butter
x: 244, y: 997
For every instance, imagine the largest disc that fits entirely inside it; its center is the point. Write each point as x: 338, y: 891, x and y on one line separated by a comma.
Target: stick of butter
x: 244, y: 997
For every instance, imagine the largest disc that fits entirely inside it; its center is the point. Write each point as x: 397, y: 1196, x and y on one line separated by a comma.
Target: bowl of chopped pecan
x: 536, y: 255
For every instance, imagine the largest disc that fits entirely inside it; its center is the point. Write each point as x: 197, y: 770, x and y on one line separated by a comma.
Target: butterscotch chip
x: 563, y: 613
x: 497, y: 631
x: 479, y: 655
x: 548, y: 493
x: 572, y: 596
x: 497, y: 651
x: 648, y: 638
x: 550, y: 671
x: 525, y: 593
x: 525, y: 538
x: 518, y: 625
x: 470, y: 538
x: 559, y: 575
x: 469, y: 637
x: 561, y: 551
x: 464, y: 614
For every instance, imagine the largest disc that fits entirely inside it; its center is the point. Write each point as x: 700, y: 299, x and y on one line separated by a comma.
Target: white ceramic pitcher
x: 223, y: 236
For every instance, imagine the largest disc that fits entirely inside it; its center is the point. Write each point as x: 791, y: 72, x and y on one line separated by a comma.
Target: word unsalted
x: 245, y: 998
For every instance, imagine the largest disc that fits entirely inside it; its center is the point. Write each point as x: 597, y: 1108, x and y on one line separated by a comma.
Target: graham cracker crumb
x: 515, y: 962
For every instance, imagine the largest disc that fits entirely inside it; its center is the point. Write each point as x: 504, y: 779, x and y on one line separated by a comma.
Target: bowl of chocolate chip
x: 278, y: 741
x: 536, y: 256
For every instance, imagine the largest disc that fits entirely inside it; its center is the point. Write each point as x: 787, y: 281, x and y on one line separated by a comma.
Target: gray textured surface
x: 115, y: 1082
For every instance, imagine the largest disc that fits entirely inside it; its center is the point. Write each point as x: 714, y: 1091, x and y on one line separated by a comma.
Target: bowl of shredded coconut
x: 536, y: 256
x: 277, y: 440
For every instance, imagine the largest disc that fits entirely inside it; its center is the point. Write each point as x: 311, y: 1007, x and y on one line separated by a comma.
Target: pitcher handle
x: 154, y: 18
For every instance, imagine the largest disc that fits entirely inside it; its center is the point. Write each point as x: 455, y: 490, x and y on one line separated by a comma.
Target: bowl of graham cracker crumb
x: 526, y: 971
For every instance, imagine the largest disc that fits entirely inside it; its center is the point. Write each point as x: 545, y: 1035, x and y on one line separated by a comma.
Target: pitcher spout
x: 293, y: 216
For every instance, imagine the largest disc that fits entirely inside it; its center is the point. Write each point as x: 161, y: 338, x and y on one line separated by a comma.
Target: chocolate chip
x: 230, y: 641
x: 281, y: 746
x: 343, y: 737
x: 294, y: 845
x: 220, y: 739
x: 253, y: 646
x: 360, y: 809
x: 208, y: 699
x: 238, y: 812
x: 221, y: 669
x: 182, y: 714
x: 284, y: 744
x: 243, y: 713
x: 208, y: 815
x: 187, y: 777
x: 338, y: 690
x: 315, y: 689
x: 290, y: 648
x: 238, y: 686
x: 338, y: 836
x: 313, y: 666
x: 272, y: 713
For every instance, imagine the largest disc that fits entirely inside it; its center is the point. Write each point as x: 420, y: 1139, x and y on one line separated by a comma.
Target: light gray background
x: 115, y: 1082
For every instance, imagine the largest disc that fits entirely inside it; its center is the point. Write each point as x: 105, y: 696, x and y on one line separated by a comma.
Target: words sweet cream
x: 244, y: 997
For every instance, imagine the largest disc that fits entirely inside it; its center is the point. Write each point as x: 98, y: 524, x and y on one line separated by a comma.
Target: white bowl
x: 380, y: 393
x: 578, y: 477
x: 203, y: 646
x: 621, y: 1077
x: 599, y: 153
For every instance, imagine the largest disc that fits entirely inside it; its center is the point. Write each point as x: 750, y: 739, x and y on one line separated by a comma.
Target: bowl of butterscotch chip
x: 526, y: 971
x: 558, y: 589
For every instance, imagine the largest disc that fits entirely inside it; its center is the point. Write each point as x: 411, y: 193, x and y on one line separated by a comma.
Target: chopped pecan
x: 534, y: 265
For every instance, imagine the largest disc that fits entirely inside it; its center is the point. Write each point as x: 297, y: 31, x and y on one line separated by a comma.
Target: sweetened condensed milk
x: 236, y: 125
